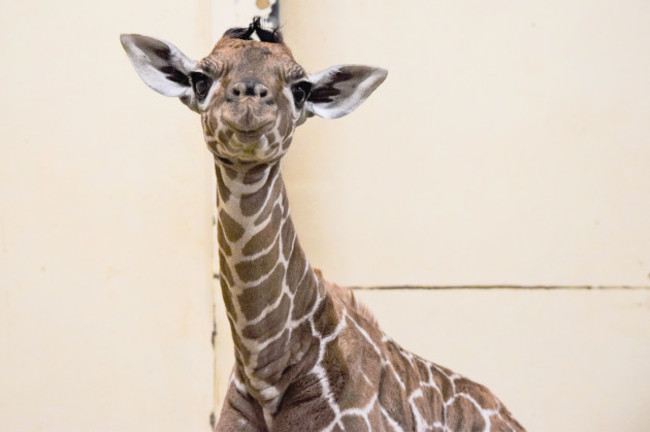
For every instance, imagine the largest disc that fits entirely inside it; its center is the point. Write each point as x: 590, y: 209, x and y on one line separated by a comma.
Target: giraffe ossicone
x: 308, y: 356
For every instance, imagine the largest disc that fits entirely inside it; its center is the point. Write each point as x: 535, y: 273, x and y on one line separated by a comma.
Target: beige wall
x: 525, y: 162
x: 508, y: 145
x: 105, y: 225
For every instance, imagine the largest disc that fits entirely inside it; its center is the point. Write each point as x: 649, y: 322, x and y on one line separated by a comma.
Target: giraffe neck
x: 270, y: 291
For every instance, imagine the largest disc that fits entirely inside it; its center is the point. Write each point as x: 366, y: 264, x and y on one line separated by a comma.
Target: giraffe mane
x: 346, y: 295
x: 265, y: 35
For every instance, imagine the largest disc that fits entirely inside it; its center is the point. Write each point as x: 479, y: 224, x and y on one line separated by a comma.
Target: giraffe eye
x: 200, y: 84
x: 300, y: 92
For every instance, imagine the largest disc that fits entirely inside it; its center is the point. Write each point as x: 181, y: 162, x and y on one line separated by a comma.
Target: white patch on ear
x: 161, y: 65
x: 339, y: 90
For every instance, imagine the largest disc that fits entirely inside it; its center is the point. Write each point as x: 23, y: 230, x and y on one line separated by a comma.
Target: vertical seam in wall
x: 213, y: 339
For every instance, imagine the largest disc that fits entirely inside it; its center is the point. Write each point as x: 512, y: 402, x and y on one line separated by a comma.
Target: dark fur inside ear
x: 326, y: 92
x: 339, y: 90
x: 162, y: 52
x: 175, y: 75
x: 153, y: 46
x: 162, y: 66
x: 161, y: 58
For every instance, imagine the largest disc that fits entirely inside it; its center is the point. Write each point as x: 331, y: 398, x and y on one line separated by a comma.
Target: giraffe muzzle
x: 248, y: 134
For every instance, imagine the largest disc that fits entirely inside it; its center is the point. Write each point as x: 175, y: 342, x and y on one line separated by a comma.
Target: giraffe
x: 308, y: 356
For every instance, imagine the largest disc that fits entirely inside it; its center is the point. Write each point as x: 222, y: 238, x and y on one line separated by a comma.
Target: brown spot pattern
x: 463, y: 416
x: 392, y: 398
x: 221, y: 240
x: 263, y: 239
x: 296, y: 269
x: 304, y: 298
x: 227, y: 299
x: 222, y: 190
x: 253, y: 300
x: 478, y: 392
x: 271, y: 324
x: 251, y: 270
x: 233, y: 230
x: 225, y: 271
x: 275, y: 352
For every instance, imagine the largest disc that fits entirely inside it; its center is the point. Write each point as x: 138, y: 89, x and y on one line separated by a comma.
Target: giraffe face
x: 251, y: 94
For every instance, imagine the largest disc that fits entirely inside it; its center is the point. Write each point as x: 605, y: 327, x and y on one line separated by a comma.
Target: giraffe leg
x: 240, y: 413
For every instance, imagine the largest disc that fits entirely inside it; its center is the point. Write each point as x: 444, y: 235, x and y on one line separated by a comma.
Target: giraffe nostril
x: 249, y: 88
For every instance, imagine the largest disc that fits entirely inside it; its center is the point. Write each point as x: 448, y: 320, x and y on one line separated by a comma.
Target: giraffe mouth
x: 247, y: 135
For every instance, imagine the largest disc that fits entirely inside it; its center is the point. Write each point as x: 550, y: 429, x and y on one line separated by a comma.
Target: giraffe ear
x: 161, y: 65
x: 339, y: 90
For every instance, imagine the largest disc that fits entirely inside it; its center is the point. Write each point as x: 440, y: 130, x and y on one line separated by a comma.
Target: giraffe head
x: 251, y: 94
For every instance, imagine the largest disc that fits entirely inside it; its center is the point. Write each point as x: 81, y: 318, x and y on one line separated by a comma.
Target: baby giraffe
x: 308, y: 356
